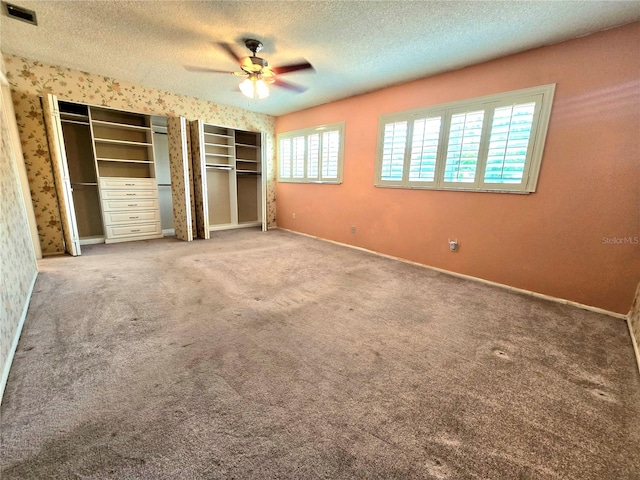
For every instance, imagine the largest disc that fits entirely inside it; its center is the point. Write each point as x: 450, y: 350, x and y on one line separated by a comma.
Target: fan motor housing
x: 253, y: 64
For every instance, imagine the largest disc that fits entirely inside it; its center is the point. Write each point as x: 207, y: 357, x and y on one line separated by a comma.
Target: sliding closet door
x: 263, y: 183
x: 180, y: 188
x: 61, y: 174
x: 200, y: 179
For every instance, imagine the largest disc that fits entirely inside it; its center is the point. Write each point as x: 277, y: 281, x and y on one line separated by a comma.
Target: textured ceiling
x: 355, y: 46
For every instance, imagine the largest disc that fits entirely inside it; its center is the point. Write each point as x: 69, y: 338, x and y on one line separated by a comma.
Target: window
x: 492, y: 143
x: 313, y: 155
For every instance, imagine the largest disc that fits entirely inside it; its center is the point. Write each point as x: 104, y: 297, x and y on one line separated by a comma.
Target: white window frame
x: 541, y: 95
x: 306, y: 133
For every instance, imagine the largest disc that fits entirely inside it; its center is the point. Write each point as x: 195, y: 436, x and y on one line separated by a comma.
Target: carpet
x: 264, y: 355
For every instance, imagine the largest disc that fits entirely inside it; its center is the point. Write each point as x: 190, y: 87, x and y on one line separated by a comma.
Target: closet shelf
x: 224, y: 166
x: 122, y: 160
x: 224, y: 145
x: 74, y: 115
x: 218, y: 135
x: 218, y: 155
x: 77, y: 122
x: 122, y: 142
x: 246, y: 161
x: 251, y: 172
x: 121, y: 125
x: 246, y: 145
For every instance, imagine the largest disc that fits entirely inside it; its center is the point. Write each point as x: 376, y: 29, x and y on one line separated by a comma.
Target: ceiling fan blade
x: 289, y: 86
x: 204, y: 69
x: 294, y: 67
x: 229, y: 51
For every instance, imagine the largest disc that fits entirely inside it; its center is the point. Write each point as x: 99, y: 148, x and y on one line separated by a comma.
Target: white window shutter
x: 465, y: 133
x: 393, y: 151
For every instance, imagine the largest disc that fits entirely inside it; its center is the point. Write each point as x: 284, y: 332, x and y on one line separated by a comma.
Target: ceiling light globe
x: 254, y: 88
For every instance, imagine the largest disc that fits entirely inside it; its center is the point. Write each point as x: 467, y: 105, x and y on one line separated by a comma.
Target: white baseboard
x: 469, y: 277
x: 16, y: 338
x: 91, y: 240
x: 636, y: 349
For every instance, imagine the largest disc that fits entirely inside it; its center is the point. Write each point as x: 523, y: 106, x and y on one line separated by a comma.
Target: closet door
x: 61, y: 174
x: 180, y: 180
x: 199, y: 179
x: 263, y: 182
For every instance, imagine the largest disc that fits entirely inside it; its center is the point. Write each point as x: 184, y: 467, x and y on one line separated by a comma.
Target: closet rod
x: 220, y: 167
x: 77, y: 122
x: 164, y: 184
x: 84, y: 183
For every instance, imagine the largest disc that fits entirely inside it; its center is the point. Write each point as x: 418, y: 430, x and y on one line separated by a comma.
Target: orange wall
x: 550, y: 241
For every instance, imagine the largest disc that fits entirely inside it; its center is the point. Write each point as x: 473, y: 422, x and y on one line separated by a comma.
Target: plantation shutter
x: 465, y: 132
x: 285, y: 158
x: 393, y: 150
x: 313, y: 156
x: 330, y: 154
x: 424, y: 149
x: 509, y: 143
x: 298, y: 157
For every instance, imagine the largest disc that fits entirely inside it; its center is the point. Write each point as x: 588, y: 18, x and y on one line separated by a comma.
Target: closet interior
x: 109, y: 155
x: 231, y: 173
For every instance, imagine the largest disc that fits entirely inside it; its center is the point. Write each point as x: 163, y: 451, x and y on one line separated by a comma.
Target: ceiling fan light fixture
x: 254, y: 87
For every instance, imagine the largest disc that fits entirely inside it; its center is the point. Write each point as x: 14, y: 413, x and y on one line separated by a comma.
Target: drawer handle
x: 134, y: 217
x: 135, y: 230
x: 130, y: 184
x: 131, y: 194
x: 132, y: 205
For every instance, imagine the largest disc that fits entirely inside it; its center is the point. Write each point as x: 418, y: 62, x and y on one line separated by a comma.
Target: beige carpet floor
x: 271, y: 355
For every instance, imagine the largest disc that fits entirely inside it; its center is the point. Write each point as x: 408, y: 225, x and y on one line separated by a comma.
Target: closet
x: 228, y: 179
x: 104, y: 169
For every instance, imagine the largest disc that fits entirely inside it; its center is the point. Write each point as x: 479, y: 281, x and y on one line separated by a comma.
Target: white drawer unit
x: 114, y: 218
x: 123, y: 233
x: 137, y: 183
x: 128, y: 205
x: 131, y: 210
x: 128, y: 193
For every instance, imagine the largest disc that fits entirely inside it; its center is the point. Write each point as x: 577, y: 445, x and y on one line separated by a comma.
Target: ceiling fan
x: 259, y: 75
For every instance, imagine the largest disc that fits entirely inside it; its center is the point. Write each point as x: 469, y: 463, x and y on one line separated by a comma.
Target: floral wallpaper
x: 180, y: 178
x: 634, y: 319
x: 17, y: 260
x: 30, y: 79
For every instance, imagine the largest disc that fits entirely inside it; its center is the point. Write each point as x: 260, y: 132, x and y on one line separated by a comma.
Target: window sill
x: 448, y: 189
x: 312, y: 182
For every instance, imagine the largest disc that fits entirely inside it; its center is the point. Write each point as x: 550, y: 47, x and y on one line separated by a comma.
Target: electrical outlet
x: 293, y: 215
x: 453, y: 245
x: 353, y: 229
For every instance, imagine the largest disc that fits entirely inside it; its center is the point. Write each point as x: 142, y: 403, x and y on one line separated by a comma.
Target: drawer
x: 123, y: 231
x: 130, y: 205
x: 126, y: 193
x: 118, y: 218
x: 136, y: 183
